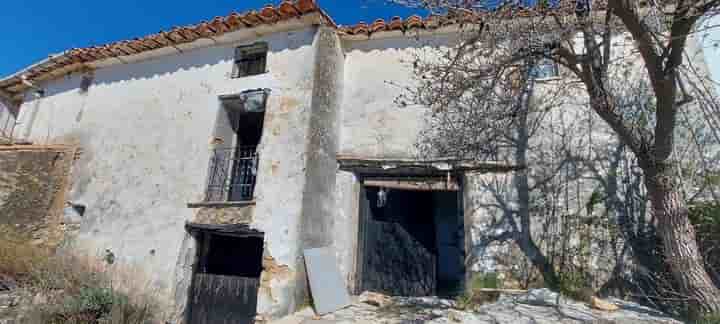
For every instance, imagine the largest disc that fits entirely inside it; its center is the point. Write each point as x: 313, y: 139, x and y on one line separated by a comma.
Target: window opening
x: 234, y: 162
x: 250, y: 60
x: 544, y: 68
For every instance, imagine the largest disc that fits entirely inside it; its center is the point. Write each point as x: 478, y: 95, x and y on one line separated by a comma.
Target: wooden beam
x: 430, y: 185
x: 432, y: 167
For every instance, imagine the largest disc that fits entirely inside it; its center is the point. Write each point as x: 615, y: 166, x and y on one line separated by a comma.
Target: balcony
x: 232, y: 174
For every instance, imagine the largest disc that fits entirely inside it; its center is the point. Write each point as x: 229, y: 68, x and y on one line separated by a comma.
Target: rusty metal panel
x: 217, y: 299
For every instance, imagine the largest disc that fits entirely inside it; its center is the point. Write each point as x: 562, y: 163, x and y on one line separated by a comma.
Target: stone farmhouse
x: 211, y: 156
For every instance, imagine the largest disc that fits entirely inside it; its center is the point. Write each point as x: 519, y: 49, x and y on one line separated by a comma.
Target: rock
x: 455, y: 316
x: 541, y: 297
x: 7, y: 283
x: 375, y: 299
x: 602, y: 305
x: 40, y: 299
x: 7, y: 300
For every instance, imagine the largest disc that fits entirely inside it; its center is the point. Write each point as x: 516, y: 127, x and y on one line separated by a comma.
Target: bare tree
x: 581, y: 35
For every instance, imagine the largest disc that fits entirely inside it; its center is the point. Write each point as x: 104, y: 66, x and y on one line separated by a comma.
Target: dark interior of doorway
x: 226, y: 277
x: 412, y: 242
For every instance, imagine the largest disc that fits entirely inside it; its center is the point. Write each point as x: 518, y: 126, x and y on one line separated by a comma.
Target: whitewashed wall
x: 145, y: 129
x: 7, y: 120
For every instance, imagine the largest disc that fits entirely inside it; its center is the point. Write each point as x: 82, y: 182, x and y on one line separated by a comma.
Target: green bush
x: 574, y: 285
x: 487, y: 280
x: 710, y: 319
x: 71, y: 289
x: 93, y: 300
x: 706, y: 219
x: 477, y: 297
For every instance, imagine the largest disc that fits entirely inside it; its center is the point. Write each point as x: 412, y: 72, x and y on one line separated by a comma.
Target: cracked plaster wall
x: 145, y: 130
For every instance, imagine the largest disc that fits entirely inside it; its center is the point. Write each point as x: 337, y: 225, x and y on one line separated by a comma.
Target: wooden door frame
x: 202, y: 234
x: 361, y: 240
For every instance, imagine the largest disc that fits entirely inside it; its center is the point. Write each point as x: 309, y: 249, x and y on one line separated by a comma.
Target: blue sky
x: 35, y: 29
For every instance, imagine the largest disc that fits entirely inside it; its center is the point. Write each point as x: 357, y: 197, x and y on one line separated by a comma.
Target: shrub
x: 487, y: 280
x: 575, y: 285
x: 709, y: 319
x: 706, y: 219
x: 477, y: 297
x: 18, y: 258
x: 75, y: 289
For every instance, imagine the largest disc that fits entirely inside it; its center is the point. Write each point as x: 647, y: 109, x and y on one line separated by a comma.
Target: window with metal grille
x: 234, y: 162
x: 250, y: 60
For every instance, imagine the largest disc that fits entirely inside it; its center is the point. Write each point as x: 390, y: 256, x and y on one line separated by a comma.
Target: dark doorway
x: 248, y: 128
x: 411, y: 242
x: 226, y: 276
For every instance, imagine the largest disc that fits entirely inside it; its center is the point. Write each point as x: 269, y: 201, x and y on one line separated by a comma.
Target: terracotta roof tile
x: 286, y: 10
x: 269, y: 14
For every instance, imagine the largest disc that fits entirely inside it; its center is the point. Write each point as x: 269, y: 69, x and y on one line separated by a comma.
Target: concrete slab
x: 326, y: 284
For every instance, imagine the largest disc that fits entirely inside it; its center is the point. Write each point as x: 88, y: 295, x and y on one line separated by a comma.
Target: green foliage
x: 706, y: 219
x: 595, y: 199
x: 487, y: 280
x: 71, y: 289
x: 709, y: 319
x: 477, y: 297
x: 574, y: 284
x: 93, y: 305
x: 93, y: 300
x: 707, y: 214
x: 713, y: 179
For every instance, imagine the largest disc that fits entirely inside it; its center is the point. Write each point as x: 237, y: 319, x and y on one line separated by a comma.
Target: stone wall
x: 33, y: 181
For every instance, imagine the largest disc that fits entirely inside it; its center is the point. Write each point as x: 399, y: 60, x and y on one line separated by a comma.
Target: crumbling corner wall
x: 33, y: 183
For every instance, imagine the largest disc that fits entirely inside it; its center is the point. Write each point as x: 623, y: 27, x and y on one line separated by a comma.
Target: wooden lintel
x: 432, y: 167
x: 430, y: 185
x: 18, y: 147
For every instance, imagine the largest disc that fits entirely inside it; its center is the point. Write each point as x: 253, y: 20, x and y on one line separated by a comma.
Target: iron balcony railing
x: 232, y: 174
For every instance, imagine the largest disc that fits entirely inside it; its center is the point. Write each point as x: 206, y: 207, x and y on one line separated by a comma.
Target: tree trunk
x: 679, y: 244
x: 538, y: 260
x: 524, y: 239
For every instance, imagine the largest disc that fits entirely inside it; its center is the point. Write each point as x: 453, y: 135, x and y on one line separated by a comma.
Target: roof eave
x: 269, y: 20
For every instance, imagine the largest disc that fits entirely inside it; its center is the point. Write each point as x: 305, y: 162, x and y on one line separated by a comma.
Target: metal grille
x: 232, y: 174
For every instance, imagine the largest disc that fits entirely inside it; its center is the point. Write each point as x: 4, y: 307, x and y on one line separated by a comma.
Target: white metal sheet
x: 326, y: 284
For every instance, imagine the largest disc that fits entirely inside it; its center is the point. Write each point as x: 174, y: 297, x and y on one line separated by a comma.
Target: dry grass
x: 18, y: 258
x: 71, y: 288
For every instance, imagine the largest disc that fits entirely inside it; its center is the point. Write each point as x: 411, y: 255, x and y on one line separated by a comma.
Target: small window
x: 544, y: 68
x: 250, y: 60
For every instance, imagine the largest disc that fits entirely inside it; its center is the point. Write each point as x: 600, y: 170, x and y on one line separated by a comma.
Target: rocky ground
x: 9, y: 302
x: 537, y: 306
